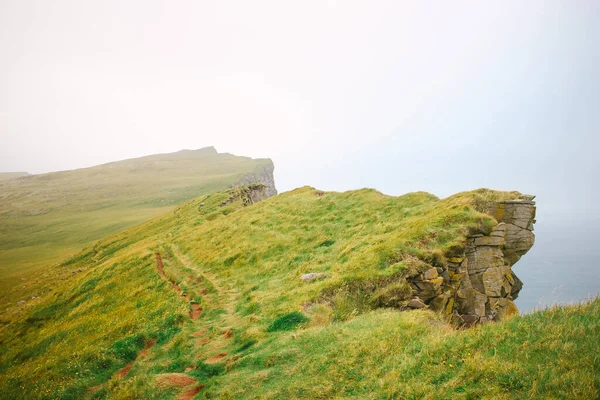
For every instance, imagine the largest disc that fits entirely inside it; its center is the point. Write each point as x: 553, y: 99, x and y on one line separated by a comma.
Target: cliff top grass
x: 261, y: 331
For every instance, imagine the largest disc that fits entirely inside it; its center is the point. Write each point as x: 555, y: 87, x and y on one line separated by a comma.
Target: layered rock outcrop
x: 480, y: 286
x: 249, y: 194
x: 264, y: 175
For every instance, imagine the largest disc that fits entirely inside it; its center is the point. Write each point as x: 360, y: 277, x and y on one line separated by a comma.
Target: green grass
x: 45, y: 217
x: 288, y: 322
x: 80, y: 336
x: 263, y: 332
x: 415, y: 355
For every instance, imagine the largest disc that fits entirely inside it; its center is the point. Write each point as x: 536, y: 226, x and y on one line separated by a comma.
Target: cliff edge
x: 479, y: 285
x: 262, y: 174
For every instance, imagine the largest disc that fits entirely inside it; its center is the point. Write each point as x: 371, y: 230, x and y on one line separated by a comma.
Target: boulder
x: 416, y: 303
x: 313, y: 276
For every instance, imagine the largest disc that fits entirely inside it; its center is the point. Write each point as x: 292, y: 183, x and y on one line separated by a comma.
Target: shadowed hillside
x: 303, y: 295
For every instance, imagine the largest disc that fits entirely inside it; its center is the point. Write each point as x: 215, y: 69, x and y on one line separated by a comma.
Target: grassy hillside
x: 44, y: 218
x: 12, y: 175
x: 207, y: 302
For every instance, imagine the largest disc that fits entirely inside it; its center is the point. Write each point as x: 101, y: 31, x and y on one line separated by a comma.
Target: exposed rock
x: 262, y: 175
x: 313, y: 276
x: 480, y: 286
x: 495, y: 240
x: 416, y: 303
x: 248, y: 194
x: 431, y: 273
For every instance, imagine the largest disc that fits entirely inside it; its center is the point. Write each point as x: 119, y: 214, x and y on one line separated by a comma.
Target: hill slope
x: 12, y: 175
x: 207, y: 301
x: 45, y: 217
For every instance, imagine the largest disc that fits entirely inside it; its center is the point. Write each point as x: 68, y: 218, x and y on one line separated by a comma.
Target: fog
x: 398, y: 96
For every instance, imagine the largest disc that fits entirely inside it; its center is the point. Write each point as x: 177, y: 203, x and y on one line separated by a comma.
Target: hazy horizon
x: 399, y: 97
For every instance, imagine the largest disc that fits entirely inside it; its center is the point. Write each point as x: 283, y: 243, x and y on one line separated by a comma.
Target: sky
x: 395, y: 95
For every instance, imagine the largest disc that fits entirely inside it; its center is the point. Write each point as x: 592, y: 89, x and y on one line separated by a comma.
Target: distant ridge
x: 45, y: 217
x: 12, y: 175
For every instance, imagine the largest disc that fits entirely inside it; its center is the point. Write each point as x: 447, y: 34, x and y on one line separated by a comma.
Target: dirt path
x: 226, y: 297
x: 187, y: 383
x: 161, y: 272
x: 190, y: 393
x: 218, y: 297
x: 214, y: 295
x: 122, y: 373
x: 195, y: 309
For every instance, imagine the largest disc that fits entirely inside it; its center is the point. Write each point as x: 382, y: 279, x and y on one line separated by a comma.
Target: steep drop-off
x: 478, y: 285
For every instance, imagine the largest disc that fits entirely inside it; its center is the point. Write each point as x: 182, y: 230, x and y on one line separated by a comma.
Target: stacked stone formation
x: 480, y: 286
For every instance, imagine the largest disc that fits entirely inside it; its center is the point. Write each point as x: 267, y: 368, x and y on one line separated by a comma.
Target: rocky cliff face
x: 249, y: 194
x: 480, y: 286
x: 262, y: 175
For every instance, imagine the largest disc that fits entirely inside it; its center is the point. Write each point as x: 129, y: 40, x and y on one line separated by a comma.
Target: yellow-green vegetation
x: 216, y: 284
x: 45, y: 218
x: 11, y: 175
x: 414, y: 355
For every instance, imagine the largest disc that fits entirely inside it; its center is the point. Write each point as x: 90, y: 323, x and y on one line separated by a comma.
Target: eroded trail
x: 122, y: 373
x: 195, y: 309
x: 212, y: 333
x: 223, y: 296
x: 189, y: 385
x: 125, y: 370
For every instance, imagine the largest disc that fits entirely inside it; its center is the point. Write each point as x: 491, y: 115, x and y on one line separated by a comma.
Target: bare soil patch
x: 180, y: 380
x: 196, y: 311
x: 122, y: 373
x: 144, y: 352
x: 189, y: 394
x: 215, y: 358
x: 203, y: 341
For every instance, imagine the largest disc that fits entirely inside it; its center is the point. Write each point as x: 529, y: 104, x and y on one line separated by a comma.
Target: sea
x: 563, y: 266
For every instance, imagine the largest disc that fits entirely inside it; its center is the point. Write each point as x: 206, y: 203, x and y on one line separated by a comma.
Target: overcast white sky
x: 398, y: 95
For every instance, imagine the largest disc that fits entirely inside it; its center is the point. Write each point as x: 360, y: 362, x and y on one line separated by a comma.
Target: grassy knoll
x: 232, y: 319
x: 45, y: 218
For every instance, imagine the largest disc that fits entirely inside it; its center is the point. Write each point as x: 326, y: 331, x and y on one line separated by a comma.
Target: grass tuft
x: 288, y: 322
